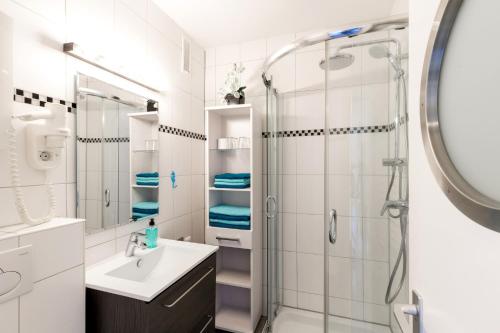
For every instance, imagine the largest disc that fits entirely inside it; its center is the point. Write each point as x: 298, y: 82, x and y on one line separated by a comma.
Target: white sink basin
x: 148, y: 272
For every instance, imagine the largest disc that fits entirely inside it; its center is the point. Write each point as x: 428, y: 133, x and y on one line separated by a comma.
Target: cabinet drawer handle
x: 231, y: 239
x: 210, y: 318
x: 189, y: 290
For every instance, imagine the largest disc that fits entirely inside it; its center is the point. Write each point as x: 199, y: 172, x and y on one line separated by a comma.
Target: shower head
x: 337, y: 62
x: 381, y: 51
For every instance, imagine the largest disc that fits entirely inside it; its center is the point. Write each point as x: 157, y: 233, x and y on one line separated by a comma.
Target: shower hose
x: 20, y: 203
x: 402, y: 214
x: 402, y: 255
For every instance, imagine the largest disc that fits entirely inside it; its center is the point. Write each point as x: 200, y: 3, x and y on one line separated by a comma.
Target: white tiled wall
x: 146, y: 45
x: 360, y: 95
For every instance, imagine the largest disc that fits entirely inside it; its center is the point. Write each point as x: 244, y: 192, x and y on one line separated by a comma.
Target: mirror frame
x: 478, y: 207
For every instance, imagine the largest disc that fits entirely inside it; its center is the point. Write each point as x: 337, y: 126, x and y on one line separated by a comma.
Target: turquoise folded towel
x: 144, y: 183
x: 231, y: 186
x: 148, y: 174
x: 233, y: 181
x: 230, y: 222
x: 137, y: 216
x: 147, y: 207
x: 233, y: 176
x: 146, y: 180
x: 227, y: 217
x: 230, y: 210
x: 227, y: 226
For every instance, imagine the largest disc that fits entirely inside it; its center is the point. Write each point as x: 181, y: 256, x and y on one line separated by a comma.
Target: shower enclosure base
x: 291, y: 320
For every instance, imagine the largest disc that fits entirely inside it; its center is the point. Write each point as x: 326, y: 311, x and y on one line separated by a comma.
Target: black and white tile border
x: 27, y: 97
x: 332, y: 131
x: 359, y: 130
x: 116, y: 140
x: 181, y: 132
x: 338, y: 131
x: 100, y: 140
x: 88, y: 140
x: 281, y: 134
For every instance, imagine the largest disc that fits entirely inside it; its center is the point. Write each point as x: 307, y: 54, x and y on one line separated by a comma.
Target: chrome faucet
x: 134, y: 242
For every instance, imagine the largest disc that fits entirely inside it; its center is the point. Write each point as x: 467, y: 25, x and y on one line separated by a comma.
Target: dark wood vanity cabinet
x: 186, y: 306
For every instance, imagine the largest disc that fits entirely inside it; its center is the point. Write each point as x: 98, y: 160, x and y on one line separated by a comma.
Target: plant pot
x: 231, y: 100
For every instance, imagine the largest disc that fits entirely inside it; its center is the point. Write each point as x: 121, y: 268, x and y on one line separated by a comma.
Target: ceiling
x: 219, y: 22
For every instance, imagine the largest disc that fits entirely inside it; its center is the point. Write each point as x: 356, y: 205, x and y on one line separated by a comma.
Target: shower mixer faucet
x: 394, y: 204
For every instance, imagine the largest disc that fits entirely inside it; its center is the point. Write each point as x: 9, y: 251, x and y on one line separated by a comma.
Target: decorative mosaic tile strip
x: 281, y: 134
x: 116, y: 140
x: 359, y: 130
x: 181, y: 132
x: 88, y: 140
x: 100, y: 140
x: 332, y: 131
x: 338, y: 131
x: 27, y: 97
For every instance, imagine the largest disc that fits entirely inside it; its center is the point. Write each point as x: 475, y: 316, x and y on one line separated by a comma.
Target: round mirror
x: 460, y: 119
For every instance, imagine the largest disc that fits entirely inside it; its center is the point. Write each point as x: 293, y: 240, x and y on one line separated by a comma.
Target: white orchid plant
x: 232, y: 85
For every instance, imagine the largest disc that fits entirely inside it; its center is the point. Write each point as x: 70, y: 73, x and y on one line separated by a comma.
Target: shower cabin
x: 337, y: 182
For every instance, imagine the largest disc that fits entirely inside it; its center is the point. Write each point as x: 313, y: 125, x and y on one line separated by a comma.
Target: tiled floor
x: 298, y: 321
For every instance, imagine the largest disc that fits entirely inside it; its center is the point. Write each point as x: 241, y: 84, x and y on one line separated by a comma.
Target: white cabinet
x: 49, y: 249
x: 239, y: 259
x: 56, y: 304
x: 57, y: 301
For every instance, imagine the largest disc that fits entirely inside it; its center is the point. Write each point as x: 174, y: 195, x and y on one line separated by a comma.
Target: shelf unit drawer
x: 229, y: 237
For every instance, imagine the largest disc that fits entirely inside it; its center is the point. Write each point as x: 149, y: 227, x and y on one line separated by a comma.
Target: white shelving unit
x: 143, y: 126
x: 239, y: 259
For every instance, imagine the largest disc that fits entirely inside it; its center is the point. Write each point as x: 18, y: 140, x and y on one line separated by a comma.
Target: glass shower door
x: 343, y: 188
x: 358, y: 144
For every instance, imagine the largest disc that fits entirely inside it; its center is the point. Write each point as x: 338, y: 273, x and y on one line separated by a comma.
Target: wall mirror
x: 104, y: 177
x: 459, y: 113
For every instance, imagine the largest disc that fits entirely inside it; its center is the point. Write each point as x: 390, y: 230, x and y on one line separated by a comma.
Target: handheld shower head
x: 381, y: 51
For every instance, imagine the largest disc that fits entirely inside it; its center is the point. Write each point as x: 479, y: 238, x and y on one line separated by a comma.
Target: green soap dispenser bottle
x: 151, y: 234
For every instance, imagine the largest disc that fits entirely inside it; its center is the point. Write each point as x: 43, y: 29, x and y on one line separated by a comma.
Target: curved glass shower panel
x: 332, y: 247
x: 362, y: 103
x: 273, y: 216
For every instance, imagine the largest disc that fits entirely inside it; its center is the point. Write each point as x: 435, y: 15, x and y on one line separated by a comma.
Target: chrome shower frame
x: 349, y: 32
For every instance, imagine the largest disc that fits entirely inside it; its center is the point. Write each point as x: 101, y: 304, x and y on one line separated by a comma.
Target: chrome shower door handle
x: 332, y: 232
x: 271, y: 213
x: 107, y: 197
